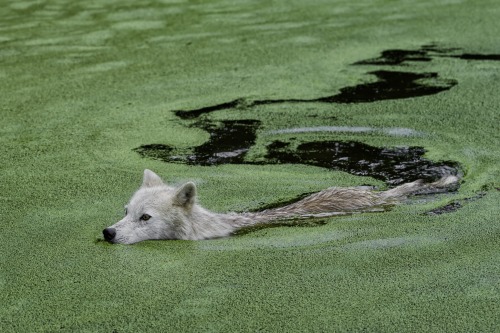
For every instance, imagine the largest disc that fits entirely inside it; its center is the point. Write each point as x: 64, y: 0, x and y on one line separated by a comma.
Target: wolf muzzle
x: 109, y: 234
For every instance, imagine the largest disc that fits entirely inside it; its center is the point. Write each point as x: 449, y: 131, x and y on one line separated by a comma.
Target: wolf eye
x: 145, y: 217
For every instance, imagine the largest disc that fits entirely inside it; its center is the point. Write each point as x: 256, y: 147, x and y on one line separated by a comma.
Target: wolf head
x: 155, y: 211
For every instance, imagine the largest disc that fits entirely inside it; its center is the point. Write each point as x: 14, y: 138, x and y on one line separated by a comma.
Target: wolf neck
x: 201, y: 223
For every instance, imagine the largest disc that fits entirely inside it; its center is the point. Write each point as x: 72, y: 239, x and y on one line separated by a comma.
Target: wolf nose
x: 109, y: 233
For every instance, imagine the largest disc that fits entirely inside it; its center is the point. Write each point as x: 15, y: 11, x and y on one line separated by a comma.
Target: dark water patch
x: 449, y: 208
x: 195, y: 113
x: 454, y: 206
x: 390, y: 85
x: 230, y: 140
x: 397, y: 57
x: 240, y: 103
x: 155, y: 151
x: 392, y: 165
x: 228, y: 144
x: 488, y: 57
x: 400, y: 57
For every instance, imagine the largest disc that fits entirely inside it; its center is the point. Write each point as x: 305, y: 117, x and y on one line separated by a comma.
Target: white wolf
x: 159, y: 211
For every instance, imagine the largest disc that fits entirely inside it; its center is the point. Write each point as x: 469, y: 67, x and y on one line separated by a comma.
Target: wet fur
x: 175, y: 214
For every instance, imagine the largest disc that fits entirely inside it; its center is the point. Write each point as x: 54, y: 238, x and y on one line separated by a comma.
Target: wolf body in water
x: 159, y: 211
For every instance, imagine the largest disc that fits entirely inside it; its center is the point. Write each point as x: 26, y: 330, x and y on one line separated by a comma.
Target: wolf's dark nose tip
x: 109, y: 233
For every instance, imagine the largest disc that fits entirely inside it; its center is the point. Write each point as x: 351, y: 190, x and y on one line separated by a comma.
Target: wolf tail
x: 341, y: 201
x: 445, y: 184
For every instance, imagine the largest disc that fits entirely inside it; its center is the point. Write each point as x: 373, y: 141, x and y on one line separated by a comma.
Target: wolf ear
x: 151, y: 179
x: 186, y: 194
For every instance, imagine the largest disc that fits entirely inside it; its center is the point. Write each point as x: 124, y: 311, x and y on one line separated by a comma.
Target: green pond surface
x: 85, y: 86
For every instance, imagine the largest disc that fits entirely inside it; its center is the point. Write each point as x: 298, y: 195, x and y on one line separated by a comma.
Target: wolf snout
x: 109, y: 234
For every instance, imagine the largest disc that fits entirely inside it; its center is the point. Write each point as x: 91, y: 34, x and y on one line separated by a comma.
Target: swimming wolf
x: 160, y: 211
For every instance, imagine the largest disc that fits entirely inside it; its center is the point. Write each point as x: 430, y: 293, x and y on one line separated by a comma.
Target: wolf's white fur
x: 159, y: 211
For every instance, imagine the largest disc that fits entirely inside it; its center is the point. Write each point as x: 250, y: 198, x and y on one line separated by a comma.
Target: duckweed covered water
x: 85, y: 86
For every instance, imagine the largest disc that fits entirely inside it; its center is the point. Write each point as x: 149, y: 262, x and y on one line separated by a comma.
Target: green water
x: 85, y: 83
